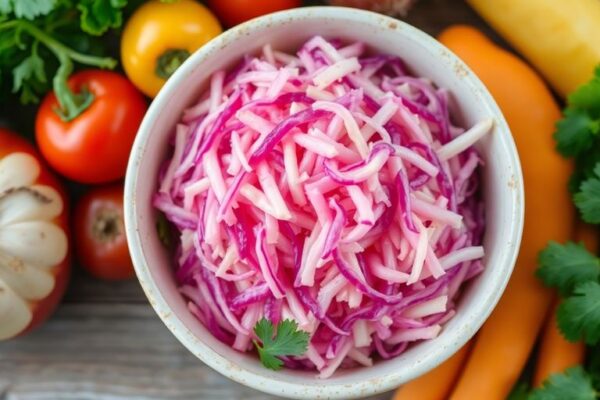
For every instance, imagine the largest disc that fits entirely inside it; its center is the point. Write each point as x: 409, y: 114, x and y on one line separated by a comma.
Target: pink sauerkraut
x: 330, y: 187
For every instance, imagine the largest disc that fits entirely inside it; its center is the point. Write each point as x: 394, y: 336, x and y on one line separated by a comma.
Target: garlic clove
x: 38, y: 243
x: 18, y: 170
x: 34, y: 203
x: 14, y: 312
x: 29, y: 282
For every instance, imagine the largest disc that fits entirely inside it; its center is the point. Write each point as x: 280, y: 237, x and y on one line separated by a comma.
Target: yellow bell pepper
x: 160, y: 36
x: 561, y: 38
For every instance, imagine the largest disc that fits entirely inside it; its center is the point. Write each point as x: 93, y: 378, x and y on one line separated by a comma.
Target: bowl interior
x: 470, y: 103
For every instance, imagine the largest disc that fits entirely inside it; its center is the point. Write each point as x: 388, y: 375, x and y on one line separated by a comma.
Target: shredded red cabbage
x: 330, y: 187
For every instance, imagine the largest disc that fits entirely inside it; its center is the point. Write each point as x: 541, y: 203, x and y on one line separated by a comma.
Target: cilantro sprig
x: 575, y: 272
x: 574, y: 384
x: 288, y: 340
x: 32, y: 31
x: 579, y: 129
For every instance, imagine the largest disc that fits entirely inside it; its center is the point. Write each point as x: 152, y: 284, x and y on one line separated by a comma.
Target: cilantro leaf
x: 288, y: 341
x: 587, y: 199
x: 573, y: 384
x: 28, y: 9
x: 579, y: 315
x: 566, y: 266
x: 576, y: 132
x: 98, y: 16
x: 29, y: 77
x: 587, y: 97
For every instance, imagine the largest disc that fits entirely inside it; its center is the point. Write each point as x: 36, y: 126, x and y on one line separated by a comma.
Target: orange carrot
x: 557, y: 353
x: 504, y: 343
x: 437, y: 383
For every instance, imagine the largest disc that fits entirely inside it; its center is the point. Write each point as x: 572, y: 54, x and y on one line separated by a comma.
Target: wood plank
x: 109, y: 351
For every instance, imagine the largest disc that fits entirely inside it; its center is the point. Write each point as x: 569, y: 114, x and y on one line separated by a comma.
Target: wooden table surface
x: 105, y: 341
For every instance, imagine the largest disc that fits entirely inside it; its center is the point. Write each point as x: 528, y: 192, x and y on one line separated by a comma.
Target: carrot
x: 557, y: 353
x: 437, y: 383
x: 506, y: 339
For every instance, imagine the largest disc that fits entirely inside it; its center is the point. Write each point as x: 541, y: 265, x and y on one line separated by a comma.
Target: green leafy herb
x: 576, y: 132
x: 565, y: 266
x: 573, y: 384
x: 98, y: 16
x: 579, y: 130
x: 27, y: 9
x: 39, y: 46
x: 587, y: 199
x: 28, y: 76
x: 287, y: 341
x: 579, y: 315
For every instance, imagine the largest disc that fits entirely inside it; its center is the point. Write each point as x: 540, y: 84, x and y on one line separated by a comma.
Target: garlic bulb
x: 31, y: 243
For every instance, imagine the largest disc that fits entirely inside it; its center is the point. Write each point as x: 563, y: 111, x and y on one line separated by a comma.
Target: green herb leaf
x: 573, y: 384
x: 587, y: 199
x: 579, y: 315
x: 566, y: 266
x: 29, y: 77
x: 98, y: 16
x: 28, y: 9
x: 587, y: 97
x: 288, y: 341
x: 576, y: 132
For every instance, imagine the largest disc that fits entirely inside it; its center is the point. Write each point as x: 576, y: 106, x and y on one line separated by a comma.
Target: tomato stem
x: 71, y: 104
x: 169, y: 61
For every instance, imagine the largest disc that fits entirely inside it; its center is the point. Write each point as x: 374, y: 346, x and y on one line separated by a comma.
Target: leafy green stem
x: 71, y: 104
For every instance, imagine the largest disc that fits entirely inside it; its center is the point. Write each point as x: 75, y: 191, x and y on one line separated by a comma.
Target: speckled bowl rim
x: 321, y: 388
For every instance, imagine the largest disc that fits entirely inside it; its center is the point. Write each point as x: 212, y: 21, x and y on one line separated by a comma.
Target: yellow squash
x: 561, y: 38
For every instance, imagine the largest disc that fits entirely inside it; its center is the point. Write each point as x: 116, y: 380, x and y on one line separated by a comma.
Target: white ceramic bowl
x: 471, y: 102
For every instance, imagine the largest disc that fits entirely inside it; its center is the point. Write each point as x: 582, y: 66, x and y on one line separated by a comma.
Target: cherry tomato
x: 94, y: 147
x: 233, y: 12
x: 159, y: 36
x: 33, y: 287
x: 99, y: 226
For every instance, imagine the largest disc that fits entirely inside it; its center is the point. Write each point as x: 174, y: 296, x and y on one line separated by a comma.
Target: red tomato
x: 99, y: 226
x: 94, y: 147
x: 233, y: 12
x: 40, y: 308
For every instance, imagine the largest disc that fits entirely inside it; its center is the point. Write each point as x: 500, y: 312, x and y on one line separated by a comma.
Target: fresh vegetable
x: 390, y: 7
x: 34, y: 248
x: 573, y: 384
x: 32, y: 33
x: 100, y: 230
x: 560, y: 38
x: 556, y: 354
x: 576, y: 274
x: 158, y: 38
x: 511, y: 331
x: 328, y: 187
x: 577, y: 135
x: 436, y: 384
x: 233, y: 12
x: 287, y: 341
x: 94, y: 147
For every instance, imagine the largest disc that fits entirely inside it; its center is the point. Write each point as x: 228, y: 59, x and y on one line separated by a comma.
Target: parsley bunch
x: 41, y: 40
